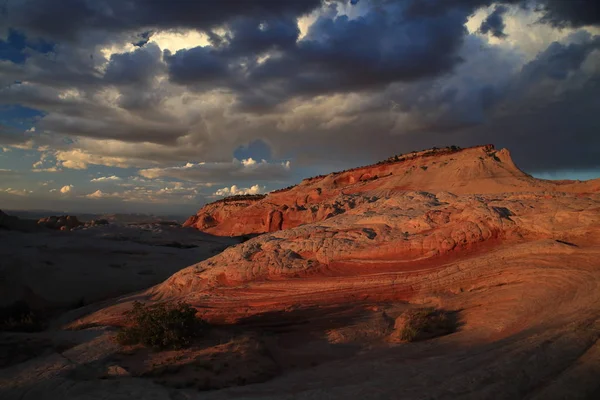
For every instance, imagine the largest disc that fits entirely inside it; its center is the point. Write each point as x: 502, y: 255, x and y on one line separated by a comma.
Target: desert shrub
x: 18, y: 317
x: 426, y: 323
x: 160, y: 326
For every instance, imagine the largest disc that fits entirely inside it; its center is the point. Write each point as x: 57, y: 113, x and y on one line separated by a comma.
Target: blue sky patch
x: 13, y: 48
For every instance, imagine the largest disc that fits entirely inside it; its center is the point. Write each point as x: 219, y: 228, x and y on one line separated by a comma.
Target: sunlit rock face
x: 477, y: 170
x: 404, y: 230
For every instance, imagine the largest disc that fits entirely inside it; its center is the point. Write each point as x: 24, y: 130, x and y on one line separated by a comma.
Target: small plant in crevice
x: 426, y: 323
x: 162, y: 326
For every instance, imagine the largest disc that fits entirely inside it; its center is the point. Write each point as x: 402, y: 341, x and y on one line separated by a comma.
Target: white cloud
x: 98, y: 194
x: 248, y: 162
x: 174, y: 41
x: 221, y: 172
x: 66, y: 189
x: 175, y: 193
x: 106, y: 178
x: 80, y: 159
x: 234, y: 190
x: 18, y: 192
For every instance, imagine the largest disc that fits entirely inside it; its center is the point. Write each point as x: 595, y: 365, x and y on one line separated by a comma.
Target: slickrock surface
x: 12, y: 223
x: 515, y: 259
x: 65, y: 269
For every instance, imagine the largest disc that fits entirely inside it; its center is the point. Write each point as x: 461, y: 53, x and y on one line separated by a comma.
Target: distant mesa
x: 64, y: 222
x: 60, y: 223
x: 69, y: 222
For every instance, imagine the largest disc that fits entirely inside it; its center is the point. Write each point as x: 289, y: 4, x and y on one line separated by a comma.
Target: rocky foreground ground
x: 310, y: 308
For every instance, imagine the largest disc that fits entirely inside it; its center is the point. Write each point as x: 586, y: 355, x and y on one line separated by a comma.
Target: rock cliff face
x: 477, y: 170
x: 216, y: 213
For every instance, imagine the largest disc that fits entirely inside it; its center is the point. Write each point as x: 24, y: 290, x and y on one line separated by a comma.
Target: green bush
x: 426, y: 323
x: 161, y: 326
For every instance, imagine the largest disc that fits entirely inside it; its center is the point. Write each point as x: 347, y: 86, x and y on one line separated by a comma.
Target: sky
x: 160, y: 106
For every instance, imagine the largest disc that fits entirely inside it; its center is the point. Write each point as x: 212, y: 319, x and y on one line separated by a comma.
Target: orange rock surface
x: 476, y: 170
x: 470, y: 220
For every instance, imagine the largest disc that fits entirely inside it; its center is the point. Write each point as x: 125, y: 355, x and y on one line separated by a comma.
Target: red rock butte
x: 455, y: 228
x: 475, y: 170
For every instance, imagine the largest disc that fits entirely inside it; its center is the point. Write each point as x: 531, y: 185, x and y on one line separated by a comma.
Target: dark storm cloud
x: 340, y: 54
x: 421, y: 8
x: 561, y: 13
x: 401, y: 75
x: 558, y: 60
x: 71, y: 19
x: 137, y: 67
x: 11, y: 136
x: 337, y: 55
x: 543, y: 112
x: 198, y: 65
x: 395, y: 41
x: 570, y: 13
x: 251, y: 36
x: 494, y: 23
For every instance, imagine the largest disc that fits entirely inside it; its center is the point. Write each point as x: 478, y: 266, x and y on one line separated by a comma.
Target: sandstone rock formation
x: 384, y: 240
x: 64, y: 222
x: 477, y: 170
x: 214, y: 213
x: 515, y: 259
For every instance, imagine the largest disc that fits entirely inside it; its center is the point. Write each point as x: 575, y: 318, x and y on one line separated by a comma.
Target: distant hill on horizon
x: 122, y: 218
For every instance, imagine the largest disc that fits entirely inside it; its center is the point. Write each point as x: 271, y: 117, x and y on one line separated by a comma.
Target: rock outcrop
x: 337, y: 239
x: 214, y: 214
x: 477, y: 170
x: 63, y: 222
